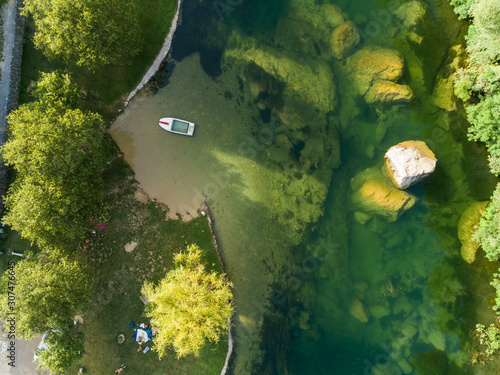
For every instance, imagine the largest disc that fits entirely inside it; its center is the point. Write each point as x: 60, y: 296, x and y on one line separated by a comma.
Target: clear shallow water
x: 271, y: 150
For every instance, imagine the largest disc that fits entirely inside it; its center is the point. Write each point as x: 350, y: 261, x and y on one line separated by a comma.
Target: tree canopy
x: 58, y: 155
x: 488, y: 233
x: 63, y: 347
x: 94, y: 32
x: 483, y: 43
x: 190, y: 305
x: 49, y: 292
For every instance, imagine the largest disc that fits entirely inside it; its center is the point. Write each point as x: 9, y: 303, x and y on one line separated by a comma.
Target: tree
x: 62, y: 348
x: 49, y: 292
x: 462, y: 7
x: 189, y: 306
x: 488, y: 233
x: 58, y: 154
x: 485, y: 120
x: 482, y: 40
x: 64, y: 143
x: 57, y: 88
x: 95, y: 32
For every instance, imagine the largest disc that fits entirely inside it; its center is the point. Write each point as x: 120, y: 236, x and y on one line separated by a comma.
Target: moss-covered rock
x: 309, y: 82
x: 370, y: 64
x: 343, y: 39
x: 411, y: 13
x: 467, y: 225
x: 375, y: 194
x: 385, y: 92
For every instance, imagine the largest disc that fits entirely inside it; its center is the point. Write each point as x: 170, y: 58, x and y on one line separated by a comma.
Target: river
x: 285, y: 134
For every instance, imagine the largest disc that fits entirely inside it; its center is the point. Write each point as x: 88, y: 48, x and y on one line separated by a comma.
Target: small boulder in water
x: 388, y: 92
x: 409, y: 162
x: 359, y: 311
x: 343, y: 39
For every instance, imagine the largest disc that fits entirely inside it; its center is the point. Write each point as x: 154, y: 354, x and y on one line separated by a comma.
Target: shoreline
x: 205, y: 211
x: 162, y: 55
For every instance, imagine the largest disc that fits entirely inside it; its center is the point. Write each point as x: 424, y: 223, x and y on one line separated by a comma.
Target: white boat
x: 174, y: 125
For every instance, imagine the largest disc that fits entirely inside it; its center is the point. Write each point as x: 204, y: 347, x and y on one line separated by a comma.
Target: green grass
x: 106, y: 88
x: 118, y: 278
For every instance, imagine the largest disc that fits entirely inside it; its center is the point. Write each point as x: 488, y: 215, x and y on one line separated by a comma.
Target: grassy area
x: 119, y: 276
x: 106, y: 88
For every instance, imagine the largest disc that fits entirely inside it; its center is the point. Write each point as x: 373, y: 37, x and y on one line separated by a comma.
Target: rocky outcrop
x: 409, y: 162
x: 467, y: 225
x: 374, y: 194
x: 344, y: 38
x: 385, y: 92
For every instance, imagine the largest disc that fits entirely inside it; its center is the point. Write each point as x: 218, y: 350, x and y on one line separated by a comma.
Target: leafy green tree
x: 57, y: 88
x: 189, y: 306
x: 64, y: 143
x: 483, y: 42
x: 462, y: 7
x: 488, y: 233
x: 63, y: 347
x: 58, y: 154
x: 51, y: 214
x: 477, y: 80
x: 49, y: 291
x: 485, y: 120
x: 95, y: 32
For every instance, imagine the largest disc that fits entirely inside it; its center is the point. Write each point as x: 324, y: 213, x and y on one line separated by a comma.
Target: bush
x: 488, y: 233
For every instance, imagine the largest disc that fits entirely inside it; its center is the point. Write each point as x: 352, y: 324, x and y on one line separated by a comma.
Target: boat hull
x: 177, y: 126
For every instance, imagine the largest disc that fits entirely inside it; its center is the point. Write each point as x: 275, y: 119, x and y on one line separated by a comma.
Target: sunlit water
x: 273, y: 147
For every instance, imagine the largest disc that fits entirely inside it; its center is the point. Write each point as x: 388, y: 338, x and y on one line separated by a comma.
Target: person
x: 119, y: 370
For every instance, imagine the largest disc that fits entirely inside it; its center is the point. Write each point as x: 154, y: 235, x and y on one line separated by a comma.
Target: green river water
x: 283, y: 136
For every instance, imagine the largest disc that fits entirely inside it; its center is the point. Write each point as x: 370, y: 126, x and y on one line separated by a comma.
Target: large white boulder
x: 409, y: 162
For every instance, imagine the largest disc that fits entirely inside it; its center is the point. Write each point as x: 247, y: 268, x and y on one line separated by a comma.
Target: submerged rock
x: 359, y: 311
x: 379, y: 311
x: 343, y: 39
x: 443, y: 95
x: 467, y: 225
x: 332, y: 15
x: 409, y: 162
x: 370, y: 64
x: 309, y: 82
x: 411, y: 13
x: 438, y: 339
x: 385, y: 92
x: 378, y: 196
